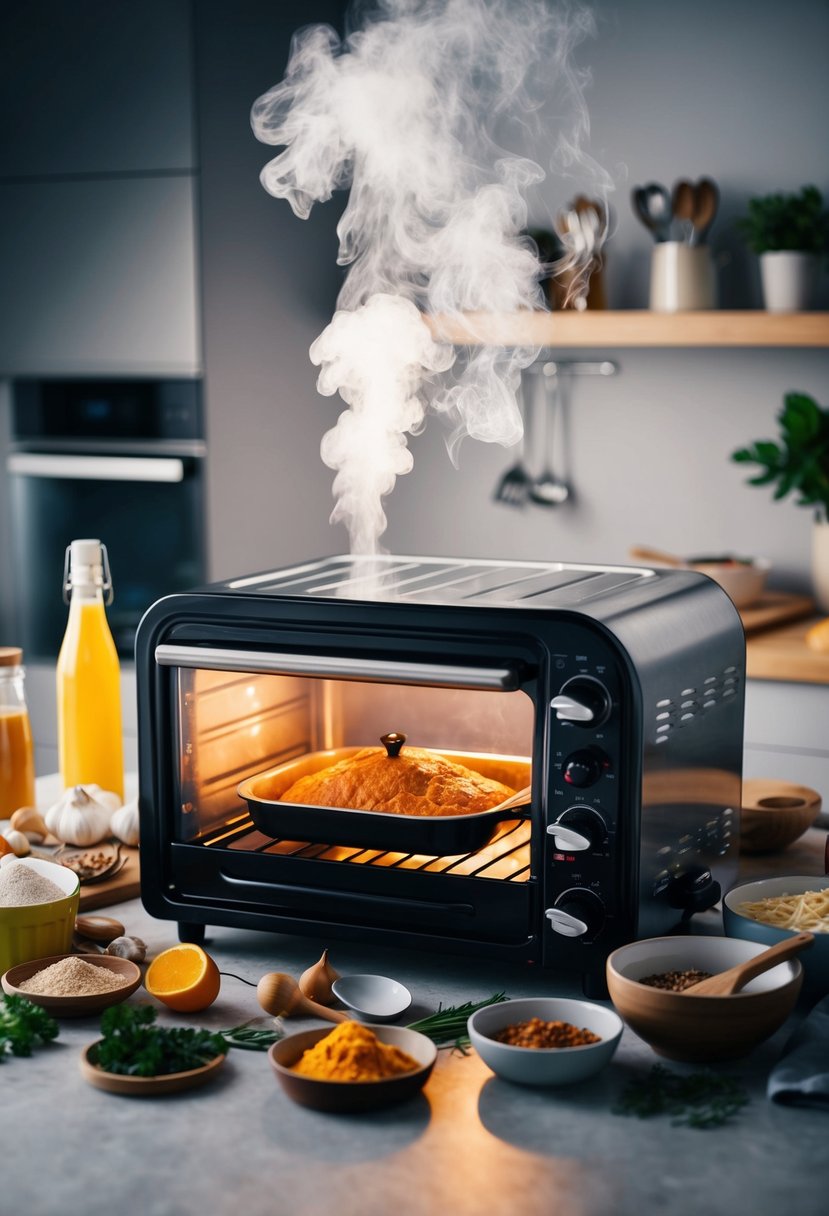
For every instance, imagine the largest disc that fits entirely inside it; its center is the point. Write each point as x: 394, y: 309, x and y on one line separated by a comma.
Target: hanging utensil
x: 706, y: 202
x: 683, y: 200
x: 514, y: 485
x: 547, y: 489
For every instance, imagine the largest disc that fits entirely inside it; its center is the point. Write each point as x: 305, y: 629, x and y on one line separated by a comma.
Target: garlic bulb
x: 79, y: 817
x: 18, y: 843
x: 30, y: 822
x: 128, y: 947
x: 124, y: 822
x: 316, y: 982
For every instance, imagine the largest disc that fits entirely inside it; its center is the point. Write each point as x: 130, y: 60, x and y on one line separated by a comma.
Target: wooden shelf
x: 567, y: 329
x: 783, y: 654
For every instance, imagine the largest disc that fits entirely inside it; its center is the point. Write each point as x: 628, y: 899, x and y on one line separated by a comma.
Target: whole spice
x: 537, y: 1033
x: 24, y: 1026
x: 18, y: 842
x: 22, y: 885
x: 72, y: 976
x: 30, y: 822
x: 700, y: 1099
x: 132, y: 948
x: 675, y: 981
x: 447, y: 1027
x: 133, y: 1046
x: 352, y: 1052
x: 315, y: 983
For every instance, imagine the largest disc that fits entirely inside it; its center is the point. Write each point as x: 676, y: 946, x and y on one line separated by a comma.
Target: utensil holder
x: 682, y: 278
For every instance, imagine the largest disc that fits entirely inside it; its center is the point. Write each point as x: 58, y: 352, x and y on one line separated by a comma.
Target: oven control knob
x: 578, y: 829
x: 583, y: 701
x: 585, y: 767
x: 576, y: 913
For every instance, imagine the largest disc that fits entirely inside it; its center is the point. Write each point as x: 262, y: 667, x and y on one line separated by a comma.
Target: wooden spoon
x: 735, y: 978
x: 706, y: 201
x: 643, y: 554
x: 684, y: 201
x: 99, y: 928
x: 280, y: 995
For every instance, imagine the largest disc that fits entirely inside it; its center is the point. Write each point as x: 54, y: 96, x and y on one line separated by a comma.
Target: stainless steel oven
x: 615, y: 694
x: 121, y: 460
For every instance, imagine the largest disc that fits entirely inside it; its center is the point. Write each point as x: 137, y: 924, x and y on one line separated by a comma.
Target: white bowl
x: 815, y: 958
x: 545, y: 1065
x: 374, y: 998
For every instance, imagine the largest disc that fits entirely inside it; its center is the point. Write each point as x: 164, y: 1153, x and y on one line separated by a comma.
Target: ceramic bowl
x: 681, y: 1026
x: 775, y: 814
x: 540, y: 1065
x: 145, y: 1087
x: 744, y: 582
x: 374, y: 998
x: 39, y: 930
x: 342, y: 1096
x: 75, y: 1006
x: 815, y: 959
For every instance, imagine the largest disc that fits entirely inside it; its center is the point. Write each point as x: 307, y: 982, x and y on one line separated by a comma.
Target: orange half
x: 184, y: 978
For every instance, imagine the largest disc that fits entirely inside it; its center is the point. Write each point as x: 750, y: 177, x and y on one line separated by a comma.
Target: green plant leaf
x: 799, y: 461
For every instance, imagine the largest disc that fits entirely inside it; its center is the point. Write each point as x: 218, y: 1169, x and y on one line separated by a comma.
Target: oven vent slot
x: 690, y: 704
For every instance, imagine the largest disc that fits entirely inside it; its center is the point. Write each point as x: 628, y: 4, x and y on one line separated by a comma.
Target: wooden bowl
x: 698, y: 1029
x: 775, y: 814
x: 145, y: 1087
x: 75, y: 1006
x: 343, y: 1096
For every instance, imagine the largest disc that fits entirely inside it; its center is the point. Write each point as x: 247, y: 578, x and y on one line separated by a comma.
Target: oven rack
x: 505, y: 858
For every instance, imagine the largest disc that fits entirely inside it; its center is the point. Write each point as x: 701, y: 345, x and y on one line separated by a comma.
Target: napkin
x: 801, y: 1077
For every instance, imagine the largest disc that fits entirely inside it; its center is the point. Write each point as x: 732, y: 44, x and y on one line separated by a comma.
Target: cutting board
x: 116, y: 890
x: 775, y: 608
x: 782, y: 654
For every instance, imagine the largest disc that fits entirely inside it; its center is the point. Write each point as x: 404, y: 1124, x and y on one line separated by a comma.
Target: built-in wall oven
x: 121, y: 460
x: 615, y: 694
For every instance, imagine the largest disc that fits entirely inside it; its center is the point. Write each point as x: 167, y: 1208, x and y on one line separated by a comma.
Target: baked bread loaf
x: 415, y: 782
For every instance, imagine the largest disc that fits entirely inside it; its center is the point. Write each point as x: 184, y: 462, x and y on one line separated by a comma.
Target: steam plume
x: 403, y: 112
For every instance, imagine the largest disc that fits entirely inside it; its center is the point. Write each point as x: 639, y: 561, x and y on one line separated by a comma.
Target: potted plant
x: 799, y: 463
x: 790, y: 234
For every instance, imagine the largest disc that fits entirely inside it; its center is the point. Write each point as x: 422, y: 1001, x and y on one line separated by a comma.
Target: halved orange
x: 184, y: 978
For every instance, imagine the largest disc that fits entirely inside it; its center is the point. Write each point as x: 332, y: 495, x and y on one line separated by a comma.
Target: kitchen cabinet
x: 636, y: 328
x: 99, y: 277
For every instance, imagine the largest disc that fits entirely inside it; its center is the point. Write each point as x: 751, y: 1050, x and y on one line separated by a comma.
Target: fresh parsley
x: 24, y: 1026
x: 701, y: 1099
x: 133, y: 1046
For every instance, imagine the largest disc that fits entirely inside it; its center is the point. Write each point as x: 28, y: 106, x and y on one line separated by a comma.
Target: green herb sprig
x: 251, y: 1038
x: 132, y: 1046
x: 24, y: 1026
x: 447, y: 1027
x: 701, y: 1099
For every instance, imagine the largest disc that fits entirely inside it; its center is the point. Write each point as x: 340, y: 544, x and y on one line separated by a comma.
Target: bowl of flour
x: 38, y: 905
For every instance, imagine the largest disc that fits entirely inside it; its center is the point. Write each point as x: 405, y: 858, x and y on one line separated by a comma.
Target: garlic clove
x: 124, y: 822
x: 315, y: 983
x: 18, y: 842
x: 29, y: 821
x: 128, y: 947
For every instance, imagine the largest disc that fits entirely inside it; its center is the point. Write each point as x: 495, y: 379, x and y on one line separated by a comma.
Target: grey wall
x: 737, y: 91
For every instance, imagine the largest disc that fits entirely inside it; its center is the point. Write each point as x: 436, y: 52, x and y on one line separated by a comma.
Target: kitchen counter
x: 782, y: 654
x: 470, y: 1145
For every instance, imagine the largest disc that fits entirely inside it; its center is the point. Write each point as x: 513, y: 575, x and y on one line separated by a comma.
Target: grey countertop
x: 469, y: 1145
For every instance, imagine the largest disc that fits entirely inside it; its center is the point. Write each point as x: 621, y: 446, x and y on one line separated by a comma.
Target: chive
x: 447, y: 1027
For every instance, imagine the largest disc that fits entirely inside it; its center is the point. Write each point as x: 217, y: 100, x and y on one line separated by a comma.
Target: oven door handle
x: 350, y: 897
x: 96, y: 468
x: 372, y: 671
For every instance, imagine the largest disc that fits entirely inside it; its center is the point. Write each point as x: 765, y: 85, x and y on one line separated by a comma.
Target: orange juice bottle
x: 90, y: 750
x: 17, y: 763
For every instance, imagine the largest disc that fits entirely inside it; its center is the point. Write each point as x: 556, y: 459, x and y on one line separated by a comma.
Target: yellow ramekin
x: 38, y: 930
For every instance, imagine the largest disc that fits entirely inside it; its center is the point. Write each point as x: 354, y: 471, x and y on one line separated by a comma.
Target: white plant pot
x: 820, y: 564
x: 788, y: 280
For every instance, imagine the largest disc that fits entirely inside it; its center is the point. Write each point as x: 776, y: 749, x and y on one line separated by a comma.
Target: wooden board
x: 782, y: 654
x: 775, y: 608
x: 123, y: 886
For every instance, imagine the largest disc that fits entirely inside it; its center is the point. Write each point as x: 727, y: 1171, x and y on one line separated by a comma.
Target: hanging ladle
x: 548, y: 489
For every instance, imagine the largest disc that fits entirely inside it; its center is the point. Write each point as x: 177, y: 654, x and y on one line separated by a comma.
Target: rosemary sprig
x: 447, y: 1027
x: 251, y: 1038
x: 701, y: 1099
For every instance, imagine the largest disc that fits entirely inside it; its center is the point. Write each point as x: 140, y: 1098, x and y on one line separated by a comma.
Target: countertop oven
x: 615, y: 693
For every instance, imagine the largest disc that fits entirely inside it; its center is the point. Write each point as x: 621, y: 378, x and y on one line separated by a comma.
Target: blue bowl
x: 815, y: 958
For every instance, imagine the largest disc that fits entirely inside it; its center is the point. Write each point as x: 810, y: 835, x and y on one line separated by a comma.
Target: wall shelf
x: 629, y: 328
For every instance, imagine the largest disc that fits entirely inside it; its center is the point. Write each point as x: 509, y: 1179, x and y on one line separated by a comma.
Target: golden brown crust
x: 417, y: 782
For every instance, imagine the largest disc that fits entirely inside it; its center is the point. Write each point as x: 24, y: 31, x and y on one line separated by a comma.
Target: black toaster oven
x: 615, y: 694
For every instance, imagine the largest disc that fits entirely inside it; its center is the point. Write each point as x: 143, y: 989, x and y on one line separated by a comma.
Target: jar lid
x: 10, y: 656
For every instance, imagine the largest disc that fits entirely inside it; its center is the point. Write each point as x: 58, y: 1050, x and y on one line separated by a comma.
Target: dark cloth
x: 801, y: 1078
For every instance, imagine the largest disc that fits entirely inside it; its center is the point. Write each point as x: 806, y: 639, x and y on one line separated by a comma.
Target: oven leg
x: 594, y: 987
x: 188, y: 932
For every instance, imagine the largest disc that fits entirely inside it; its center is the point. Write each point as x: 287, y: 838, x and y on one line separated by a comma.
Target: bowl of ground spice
x: 545, y: 1040
x: 73, y: 985
x: 38, y: 906
x: 353, y: 1067
x: 650, y: 985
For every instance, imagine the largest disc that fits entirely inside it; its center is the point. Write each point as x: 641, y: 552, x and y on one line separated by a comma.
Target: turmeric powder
x: 352, y: 1052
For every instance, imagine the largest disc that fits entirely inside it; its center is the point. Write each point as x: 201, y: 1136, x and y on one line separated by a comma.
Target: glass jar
x: 17, y: 760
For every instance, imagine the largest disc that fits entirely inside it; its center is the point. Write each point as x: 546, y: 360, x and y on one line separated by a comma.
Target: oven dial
x: 576, y: 913
x: 578, y: 829
x: 585, y: 767
x: 584, y: 701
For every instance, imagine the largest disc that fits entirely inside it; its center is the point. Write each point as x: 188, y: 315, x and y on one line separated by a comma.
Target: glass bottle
x: 90, y: 748
x: 17, y: 761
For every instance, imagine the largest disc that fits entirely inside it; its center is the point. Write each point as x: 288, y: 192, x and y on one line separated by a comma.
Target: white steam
x: 402, y: 112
